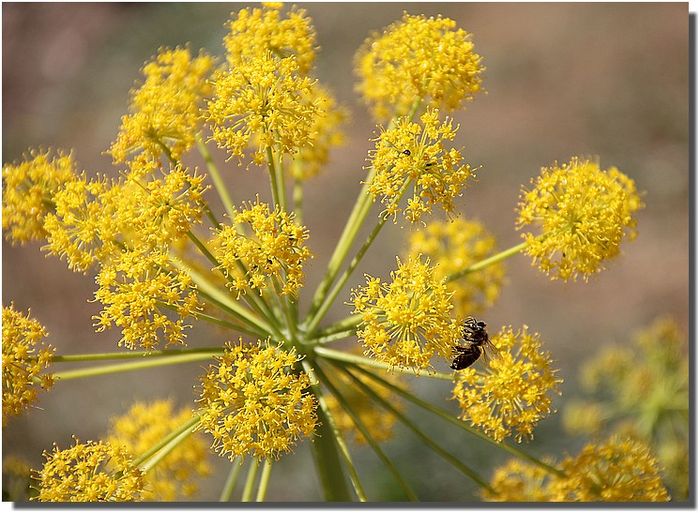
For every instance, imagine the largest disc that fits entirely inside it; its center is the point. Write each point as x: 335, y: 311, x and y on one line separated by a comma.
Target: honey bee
x: 477, y: 343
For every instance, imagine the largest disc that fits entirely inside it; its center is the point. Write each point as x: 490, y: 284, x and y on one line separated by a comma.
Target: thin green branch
x: 461, y: 424
x: 350, y: 322
x: 185, y: 427
x: 274, y: 186
x: 478, y: 266
x: 282, y: 189
x: 340, y: 356
x: 264, y: 480
x: 250, y: 481
x: 219, y: 184
x: 126, y: 367
x: 170, y: 446
x: 123, y: 355
x: 446, y: 455
x: 231, y: 480
x: 368, y: 437
x: 345, y: 453
x: 333, y: 337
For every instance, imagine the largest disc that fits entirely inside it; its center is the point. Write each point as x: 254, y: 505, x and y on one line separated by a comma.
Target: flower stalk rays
x: 166, y: 259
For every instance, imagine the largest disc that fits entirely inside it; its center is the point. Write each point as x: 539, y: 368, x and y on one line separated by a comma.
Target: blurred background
x: 607, y: 80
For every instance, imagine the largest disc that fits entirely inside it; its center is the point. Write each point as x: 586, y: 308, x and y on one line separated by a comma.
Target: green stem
x: 91, y: 357
x: 250, y: 481
x: 274, y: 186
x: 333, y: 337
x: 126, y: 367
x: 327, y: 461
x: 231, y: 480
x: 340, y: 356
x: 298, y: 196
x: 344, y: 452
x: 279, y: 169
x: 185, y: 427
x: 487, y: 261
x: 362, y: 206
x: 461, y: 424
x: 219, y: 184
x: 350, y: 322
x: 330, y: 297
x: 264, y: 480
x: 166, y: 151
x: 223, y: 300
x: 370, y: 440
x: 447, y: 456
x: 170, y: 446
x: 214, y: 221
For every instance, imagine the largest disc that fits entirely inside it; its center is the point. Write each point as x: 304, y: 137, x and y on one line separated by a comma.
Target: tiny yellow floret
x: 579, y: 215
x: 256, y: 401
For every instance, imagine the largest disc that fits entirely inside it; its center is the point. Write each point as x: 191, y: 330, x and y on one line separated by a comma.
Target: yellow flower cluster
x: 406, y: 322
x: 254, y: 32
x: 263, y: 103
x: 416, y: 59
x: 655, y: 367
x: 28, y: 189
x: 135, y: 290
x: 146, y: 424
x: 256, y: 401
x: 17, y: 482
x: 89, y: 472
x: 455, y: 245
x: 615, y: 470
x: 582, y: 213
x: 165, y: 110
x: 408, y: 153
x: 84, y: 226
x: 378, y: 422
x: 270, y: 247
x: 326, y: 134
x: 24, y: 358
x: 512, y: 392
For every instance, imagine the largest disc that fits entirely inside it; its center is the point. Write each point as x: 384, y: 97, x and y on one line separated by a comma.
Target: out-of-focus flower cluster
x: 146, y: 424
x: 619, y: 469
x: 654, y: 367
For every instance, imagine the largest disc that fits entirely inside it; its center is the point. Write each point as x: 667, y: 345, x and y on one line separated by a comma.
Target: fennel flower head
x: 146, y: 424
x: 89, y: 472
x: 254, y: 32
x: 256, y: 402
x: 418, y: 58
x: 581, y: 214
x: 165, y: 110
x: 619, y: 469
x: 413, y: 153
x: 24, y: 358
x: 147, y: 299
x: 512, y: 392
x: 28, y: 189
x: 262, y: 103
x: 454, y: 245
x: 407, y: 322
x: 517, y: 481
x: 268, y: 244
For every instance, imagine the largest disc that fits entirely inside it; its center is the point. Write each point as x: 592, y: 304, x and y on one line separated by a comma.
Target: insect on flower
x: 474, y: 333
